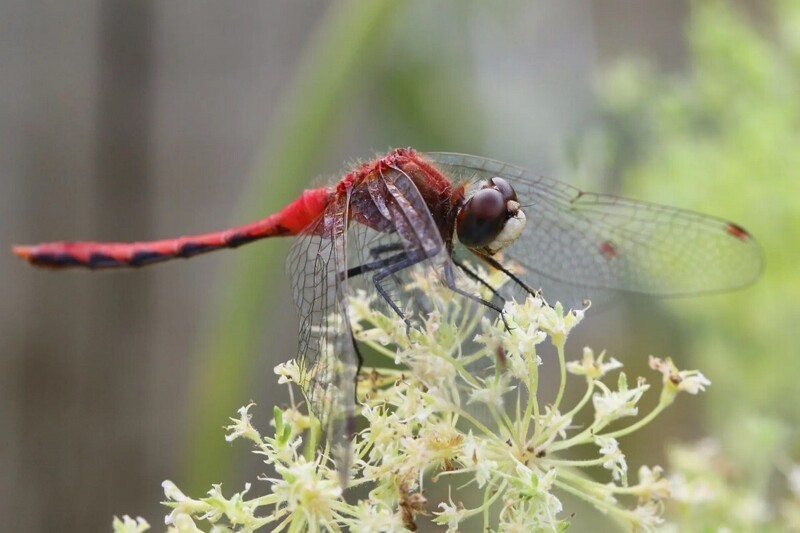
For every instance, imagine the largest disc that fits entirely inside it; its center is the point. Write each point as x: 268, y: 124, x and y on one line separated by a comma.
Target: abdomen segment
x: 289, y: 221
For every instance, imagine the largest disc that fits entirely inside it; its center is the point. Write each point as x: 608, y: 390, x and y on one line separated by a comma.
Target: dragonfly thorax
x: 491, y: 218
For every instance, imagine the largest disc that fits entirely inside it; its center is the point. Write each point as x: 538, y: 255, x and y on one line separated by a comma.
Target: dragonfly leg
x: 494, y: 263
x: 474, y: 275
x: 389, y: 266
x: 373, y: 266
x: 450, y: 281
x: 377, y: 251
x: 401, y: 262
x: 360, y: 359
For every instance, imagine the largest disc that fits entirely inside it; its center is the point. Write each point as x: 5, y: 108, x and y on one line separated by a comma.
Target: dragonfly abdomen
x: 94, y: 255
x: 117, y: 254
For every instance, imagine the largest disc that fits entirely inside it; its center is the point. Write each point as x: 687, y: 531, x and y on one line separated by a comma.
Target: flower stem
x: 641, y: 423
x: 563, y: 369
x: 575, y: 410
x: 597, y: 503
x: 532, y: 409
x: 575, y: 462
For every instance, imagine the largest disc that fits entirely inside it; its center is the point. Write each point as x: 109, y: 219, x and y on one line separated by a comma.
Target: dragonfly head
x: 491, y: 218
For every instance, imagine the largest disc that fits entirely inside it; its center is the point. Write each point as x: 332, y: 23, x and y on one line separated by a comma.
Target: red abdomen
x: 289, y: 221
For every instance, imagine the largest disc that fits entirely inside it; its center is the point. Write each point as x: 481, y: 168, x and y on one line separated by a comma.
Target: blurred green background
x: 131, y: 120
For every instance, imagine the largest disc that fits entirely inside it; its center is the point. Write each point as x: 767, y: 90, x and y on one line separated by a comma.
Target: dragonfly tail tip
x: 23, y: 252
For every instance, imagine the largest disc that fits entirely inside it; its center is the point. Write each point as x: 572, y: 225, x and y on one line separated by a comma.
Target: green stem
x: 580, y: 479
x: 381, y: 349
x: 504, y: 423
x: 575, y: 410
x: 314, y: 433
x: 584, y: 437
x: 282, y: 525
x: 474, y: 421
x: 543, y: 435
x: 486, y: 506
x: 563, y: 369
x: 574, y: 462
x: 498, y: 492
x: 487, y: 503
x: 641, y: 423
x: 456, y: 363
x: 532, y: 409
x: 597, y: 503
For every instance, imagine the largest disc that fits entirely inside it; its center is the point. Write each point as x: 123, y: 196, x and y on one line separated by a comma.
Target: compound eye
x: 504, y: 187
x: 482, y: 218
x: 488, y: 204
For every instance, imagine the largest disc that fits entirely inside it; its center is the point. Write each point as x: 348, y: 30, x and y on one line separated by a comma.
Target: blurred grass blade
x: 350, y: 33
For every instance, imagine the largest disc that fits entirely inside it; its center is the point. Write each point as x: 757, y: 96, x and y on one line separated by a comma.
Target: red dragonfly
x: 409, y: 208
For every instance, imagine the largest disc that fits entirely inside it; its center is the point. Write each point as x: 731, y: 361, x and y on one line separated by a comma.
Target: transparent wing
x: 384, y: 218
x: 393, y: 230
x: 584, y: 243
x: 396, y: 226
x: 326, y: 352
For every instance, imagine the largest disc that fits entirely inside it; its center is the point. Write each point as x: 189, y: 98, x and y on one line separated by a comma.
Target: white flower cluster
x: 454, y: 414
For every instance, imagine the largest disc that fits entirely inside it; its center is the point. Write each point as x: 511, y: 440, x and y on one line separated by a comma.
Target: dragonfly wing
x: 600, y: 243
x: 326, y: 351
x: 382, y: 217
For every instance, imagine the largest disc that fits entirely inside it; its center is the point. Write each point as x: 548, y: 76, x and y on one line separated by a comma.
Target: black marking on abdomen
x: 238, y: 239
x: 56, y: 260
x: 280, y: 231
x: 147, y: 258
x: 103, y: 261
x: 192, y: 248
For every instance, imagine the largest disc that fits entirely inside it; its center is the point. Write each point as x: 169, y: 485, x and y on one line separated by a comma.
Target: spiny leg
x: 371, y: 267
x: 375, y: 252
x: 450, y: 281
x: 389, y: 266
x: 494, y: 263
x: 405, y: 260
x: 379, y: 250
x: 536, y: 293
x: 474, y: 275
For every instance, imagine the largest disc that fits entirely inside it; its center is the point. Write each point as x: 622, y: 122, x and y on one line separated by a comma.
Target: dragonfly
x: 408, y: 208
